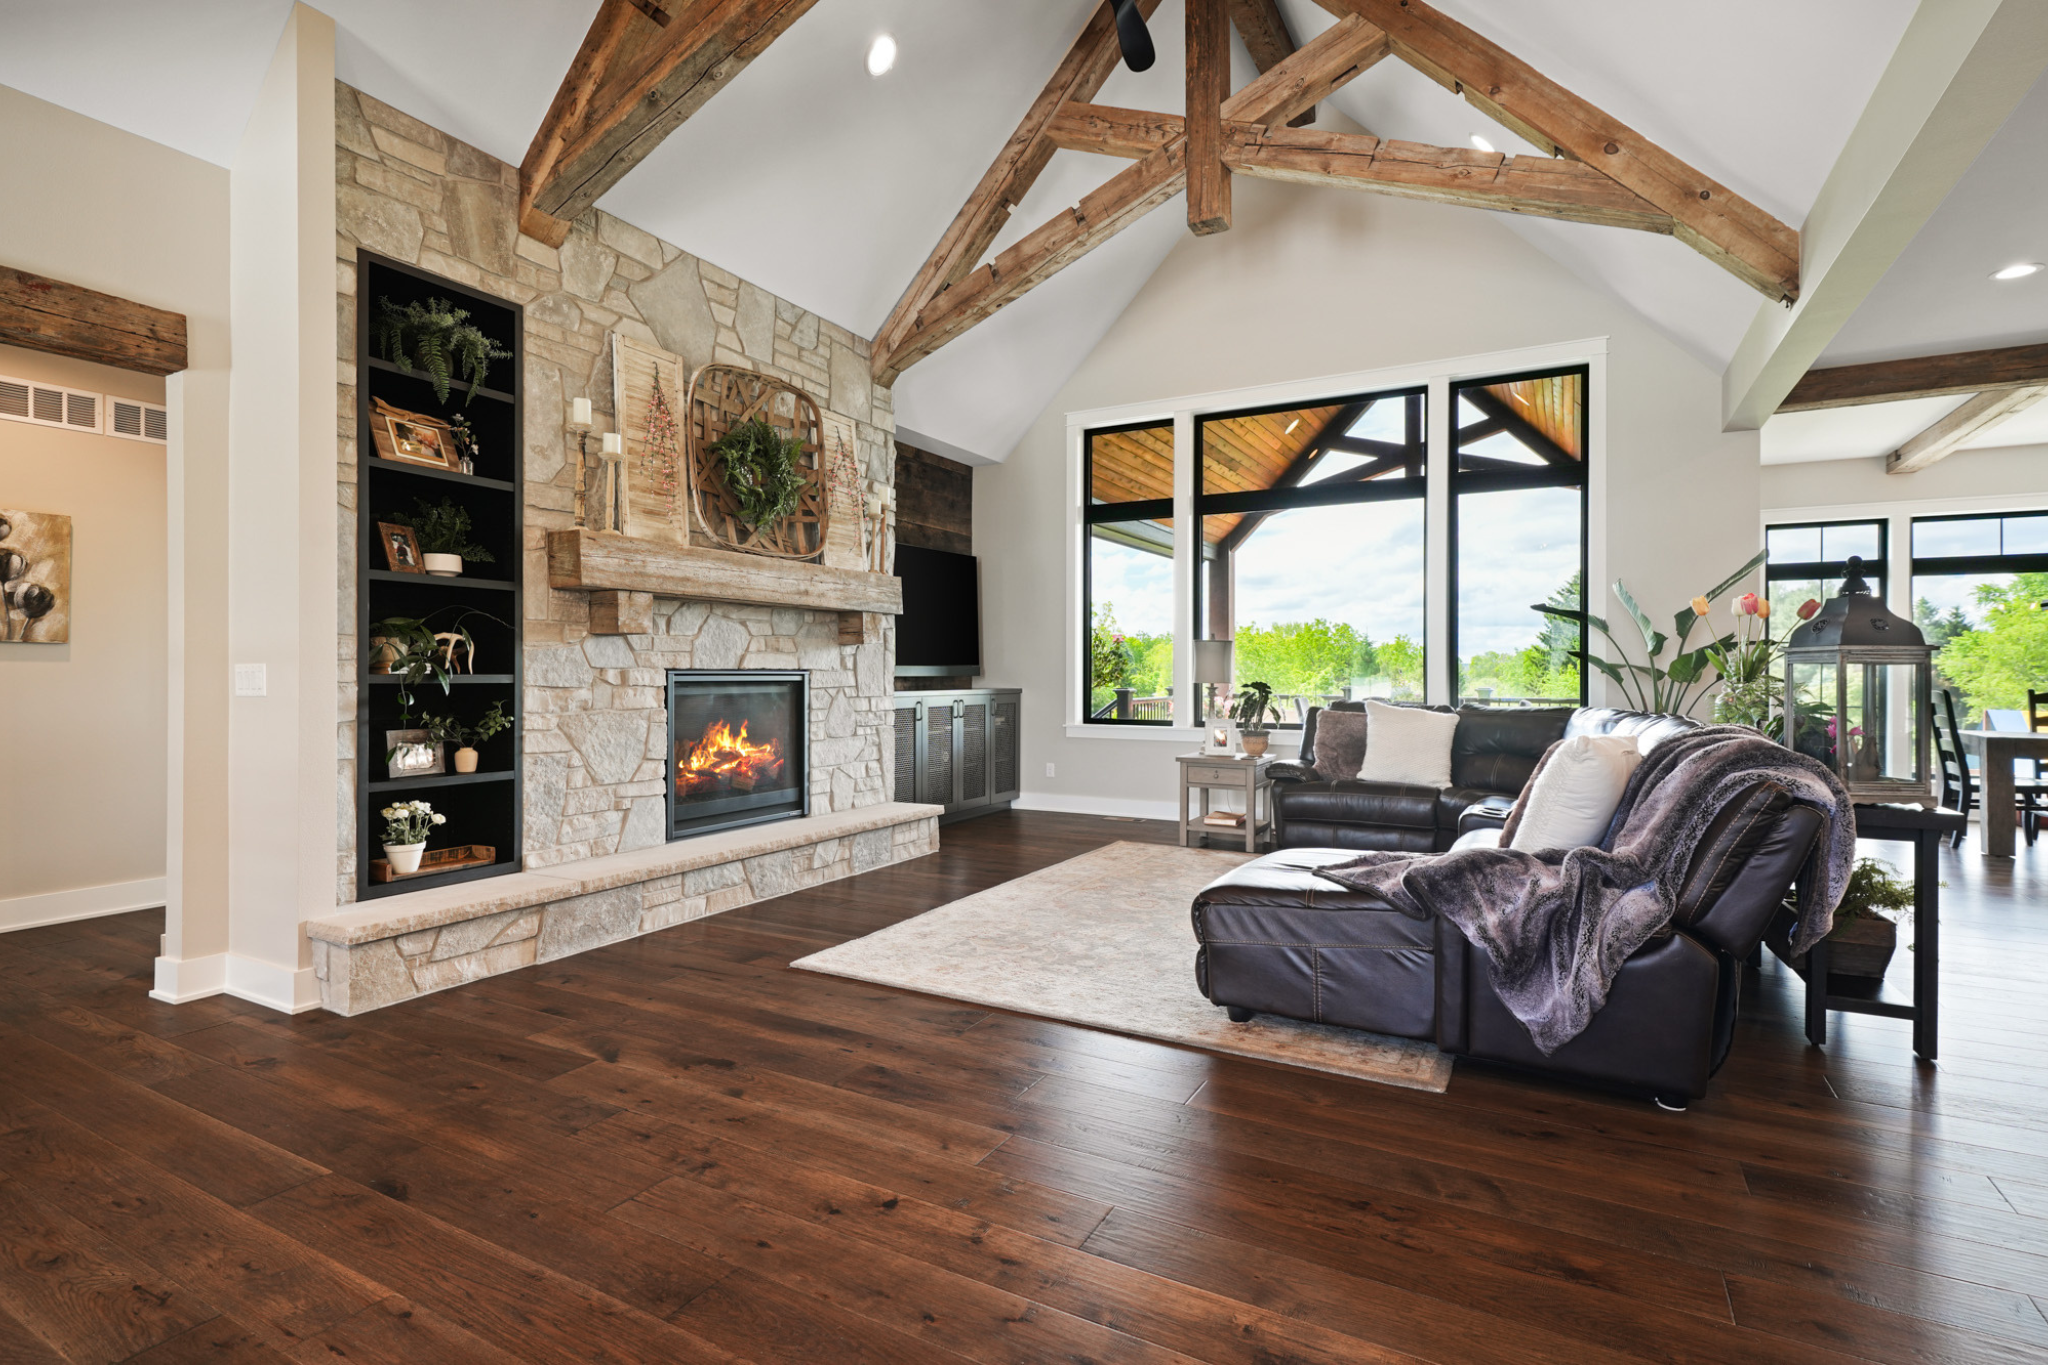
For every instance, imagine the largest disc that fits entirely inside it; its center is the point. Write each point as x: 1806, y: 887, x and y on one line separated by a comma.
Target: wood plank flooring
x: 676, y: 1149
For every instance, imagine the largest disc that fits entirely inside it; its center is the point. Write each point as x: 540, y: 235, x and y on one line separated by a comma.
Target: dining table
x: 1995, y: 751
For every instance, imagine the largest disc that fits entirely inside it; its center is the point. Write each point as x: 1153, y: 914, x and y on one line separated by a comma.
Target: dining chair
x: 1958, y: 785
x: 2037, y: 710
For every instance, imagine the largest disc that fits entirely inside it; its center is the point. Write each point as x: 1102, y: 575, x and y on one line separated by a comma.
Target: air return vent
x: 49, y: 405
x: 136, y: 421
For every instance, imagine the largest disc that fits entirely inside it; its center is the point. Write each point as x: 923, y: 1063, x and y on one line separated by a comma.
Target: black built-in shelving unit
x: 482, y: 807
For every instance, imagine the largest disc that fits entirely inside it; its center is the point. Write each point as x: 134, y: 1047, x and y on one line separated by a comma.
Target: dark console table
x: 1924, y: 830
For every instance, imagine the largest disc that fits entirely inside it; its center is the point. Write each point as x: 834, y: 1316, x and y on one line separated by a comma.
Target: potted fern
x: 438, y: 339
x: 1866, y: 931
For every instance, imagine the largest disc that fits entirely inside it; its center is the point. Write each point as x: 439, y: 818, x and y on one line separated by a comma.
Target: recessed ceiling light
x: 881, y: 55
x: 2016, y: 272
x: 1291, y: 426
x: 1481, y: 143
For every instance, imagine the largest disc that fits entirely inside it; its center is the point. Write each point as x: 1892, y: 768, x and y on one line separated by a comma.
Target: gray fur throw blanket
x: 1559, y: 924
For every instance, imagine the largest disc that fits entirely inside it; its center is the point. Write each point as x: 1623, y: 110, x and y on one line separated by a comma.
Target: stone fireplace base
x: 413, y: 944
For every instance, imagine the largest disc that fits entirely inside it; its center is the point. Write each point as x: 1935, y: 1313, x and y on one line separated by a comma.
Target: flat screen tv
x: 939, y: 632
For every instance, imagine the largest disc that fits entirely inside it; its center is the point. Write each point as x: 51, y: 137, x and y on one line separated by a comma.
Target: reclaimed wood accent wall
x: 934, y: 501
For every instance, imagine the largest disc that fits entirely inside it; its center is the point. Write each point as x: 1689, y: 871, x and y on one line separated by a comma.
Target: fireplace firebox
x: 737, y: 750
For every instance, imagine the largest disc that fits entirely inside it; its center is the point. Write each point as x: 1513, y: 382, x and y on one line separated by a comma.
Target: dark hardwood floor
x: 675, y: 1149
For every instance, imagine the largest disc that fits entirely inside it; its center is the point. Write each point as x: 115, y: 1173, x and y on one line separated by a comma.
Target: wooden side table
x: 1924, y: 830
x: 1207, y: 773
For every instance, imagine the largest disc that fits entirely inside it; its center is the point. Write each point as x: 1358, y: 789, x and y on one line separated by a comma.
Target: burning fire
x: 729, y: 759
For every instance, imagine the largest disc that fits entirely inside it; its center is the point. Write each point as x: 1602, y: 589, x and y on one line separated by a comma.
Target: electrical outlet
x: 1048, y: 770
x: 251, y: 680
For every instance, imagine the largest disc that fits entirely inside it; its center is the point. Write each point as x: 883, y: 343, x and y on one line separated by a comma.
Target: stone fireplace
x: 737, y: 748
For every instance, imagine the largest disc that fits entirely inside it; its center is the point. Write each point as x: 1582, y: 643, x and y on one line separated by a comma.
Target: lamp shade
x: 1213, y: 661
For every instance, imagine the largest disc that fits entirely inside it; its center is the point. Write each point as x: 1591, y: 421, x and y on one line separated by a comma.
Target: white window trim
x: 1437, y: 376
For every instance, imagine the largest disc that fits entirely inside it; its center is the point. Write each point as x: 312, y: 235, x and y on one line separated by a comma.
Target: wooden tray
x: 436, y: 860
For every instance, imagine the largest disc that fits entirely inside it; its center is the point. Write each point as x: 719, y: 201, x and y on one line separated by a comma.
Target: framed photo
x: 412, y: 753
x: 401, y: 548
x: 412, y: 437
x: 1219, y: 737
x: 35, y: 577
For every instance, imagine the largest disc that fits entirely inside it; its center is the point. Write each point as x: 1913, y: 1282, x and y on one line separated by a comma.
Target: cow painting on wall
x: 35, y: 578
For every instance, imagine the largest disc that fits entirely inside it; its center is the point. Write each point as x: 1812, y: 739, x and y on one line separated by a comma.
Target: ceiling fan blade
x: 1132, y: 36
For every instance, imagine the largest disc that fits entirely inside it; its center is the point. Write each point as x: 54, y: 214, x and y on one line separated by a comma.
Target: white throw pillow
x: 1571, y: 801
x: 1407, y: 745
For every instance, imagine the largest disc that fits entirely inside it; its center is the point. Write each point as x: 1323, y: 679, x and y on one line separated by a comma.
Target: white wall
x: 1999, y: 477
x: 1313, y: 281
x: 82, y: 806
x: 120, y: 214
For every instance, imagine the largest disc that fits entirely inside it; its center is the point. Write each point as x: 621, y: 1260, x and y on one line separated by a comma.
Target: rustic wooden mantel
x: 623, y: 575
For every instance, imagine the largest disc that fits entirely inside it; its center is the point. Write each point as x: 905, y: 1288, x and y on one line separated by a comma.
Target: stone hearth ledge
x: 423, y: 941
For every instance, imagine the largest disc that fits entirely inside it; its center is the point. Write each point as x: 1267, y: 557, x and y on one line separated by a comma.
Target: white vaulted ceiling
x: 828, y: 187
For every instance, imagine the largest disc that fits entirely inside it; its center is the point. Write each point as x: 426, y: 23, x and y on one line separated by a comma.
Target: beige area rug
x: 1105, y: 940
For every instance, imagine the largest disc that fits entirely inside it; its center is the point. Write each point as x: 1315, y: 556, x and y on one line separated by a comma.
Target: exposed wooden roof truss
x: 1599, y: 171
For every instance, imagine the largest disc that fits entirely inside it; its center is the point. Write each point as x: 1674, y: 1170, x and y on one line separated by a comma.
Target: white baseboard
x: 87, y: 902
x: 1097, y: 805
x: 283, y: 989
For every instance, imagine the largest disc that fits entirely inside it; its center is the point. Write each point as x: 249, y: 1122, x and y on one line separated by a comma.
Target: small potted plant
x: 443, y: 533
x: 436, y: 338
x: 447, y: 730
x: 1866, y: 934
x: 411, y: 650
x: 1249, y: 708
x: 406, y: 826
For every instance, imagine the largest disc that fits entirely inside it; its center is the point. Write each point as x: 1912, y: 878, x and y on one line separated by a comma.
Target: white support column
x: 1440, y: 669
x: 274, y: 522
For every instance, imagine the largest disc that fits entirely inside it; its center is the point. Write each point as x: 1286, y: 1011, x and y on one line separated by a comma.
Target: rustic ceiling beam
x: 1093, y: 55
x: 1927, y: 376
x: 1208, y: 85
x: 912, y: 333
x: 1298, y: 468
x: 566, y: 115
x: 631, y: 85
x: 1453, y: 175
x: 1513, y: 424
x: 1705, y: 214
x: 1965, y: 424
x: 65, y: 319
x: 1264, y: 30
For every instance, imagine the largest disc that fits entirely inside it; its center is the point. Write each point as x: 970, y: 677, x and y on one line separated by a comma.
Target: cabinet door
x: 1004, y: 756
x: 938, y: 782
x: 909, y: 746
x: 971, y: 759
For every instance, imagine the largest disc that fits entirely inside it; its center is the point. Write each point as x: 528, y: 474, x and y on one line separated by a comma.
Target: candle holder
x: 612, y: 488
x: 579, y: 422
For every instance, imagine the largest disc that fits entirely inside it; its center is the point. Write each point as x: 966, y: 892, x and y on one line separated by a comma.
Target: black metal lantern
x: 1857, y: 685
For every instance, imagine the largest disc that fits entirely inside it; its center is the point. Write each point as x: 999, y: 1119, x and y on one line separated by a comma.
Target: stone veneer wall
x: 593, y: 718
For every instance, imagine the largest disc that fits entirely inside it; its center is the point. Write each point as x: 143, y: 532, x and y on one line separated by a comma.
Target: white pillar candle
x: 612, y: 444
x: 579, y: 412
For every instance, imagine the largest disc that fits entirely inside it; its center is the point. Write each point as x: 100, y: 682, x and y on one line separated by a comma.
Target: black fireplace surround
x: 737, y: 751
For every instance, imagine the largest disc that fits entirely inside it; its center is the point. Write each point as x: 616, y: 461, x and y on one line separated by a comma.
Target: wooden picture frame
x: 413, y: 438
x: 401, y: 548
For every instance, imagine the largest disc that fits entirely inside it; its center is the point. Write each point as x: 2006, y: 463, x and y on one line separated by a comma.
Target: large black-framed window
x: 1978, y: 584
x: 1518, y: 486
x: 1807, y: 560
x: 1310, y: 554
x: 1127, y: 620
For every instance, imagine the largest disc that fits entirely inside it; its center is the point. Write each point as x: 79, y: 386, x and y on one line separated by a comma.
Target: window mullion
x: 1439, y: 667
x: 1187, y: 545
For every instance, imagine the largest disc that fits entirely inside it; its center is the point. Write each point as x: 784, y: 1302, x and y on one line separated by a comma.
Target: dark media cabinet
x: 959, y: 749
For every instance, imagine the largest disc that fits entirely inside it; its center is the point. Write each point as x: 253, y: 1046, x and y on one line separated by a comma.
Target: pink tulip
x: 1808, y: 608
x: 1746, y: 604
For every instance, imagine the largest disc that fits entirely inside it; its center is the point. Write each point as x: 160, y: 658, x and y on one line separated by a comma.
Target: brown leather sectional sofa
x: 1277, y: 939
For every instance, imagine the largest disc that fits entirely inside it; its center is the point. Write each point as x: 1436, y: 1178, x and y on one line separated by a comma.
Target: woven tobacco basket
x: 722, y: 397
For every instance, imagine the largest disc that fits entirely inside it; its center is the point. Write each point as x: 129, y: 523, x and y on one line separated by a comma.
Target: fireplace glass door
x: 736, y: 749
